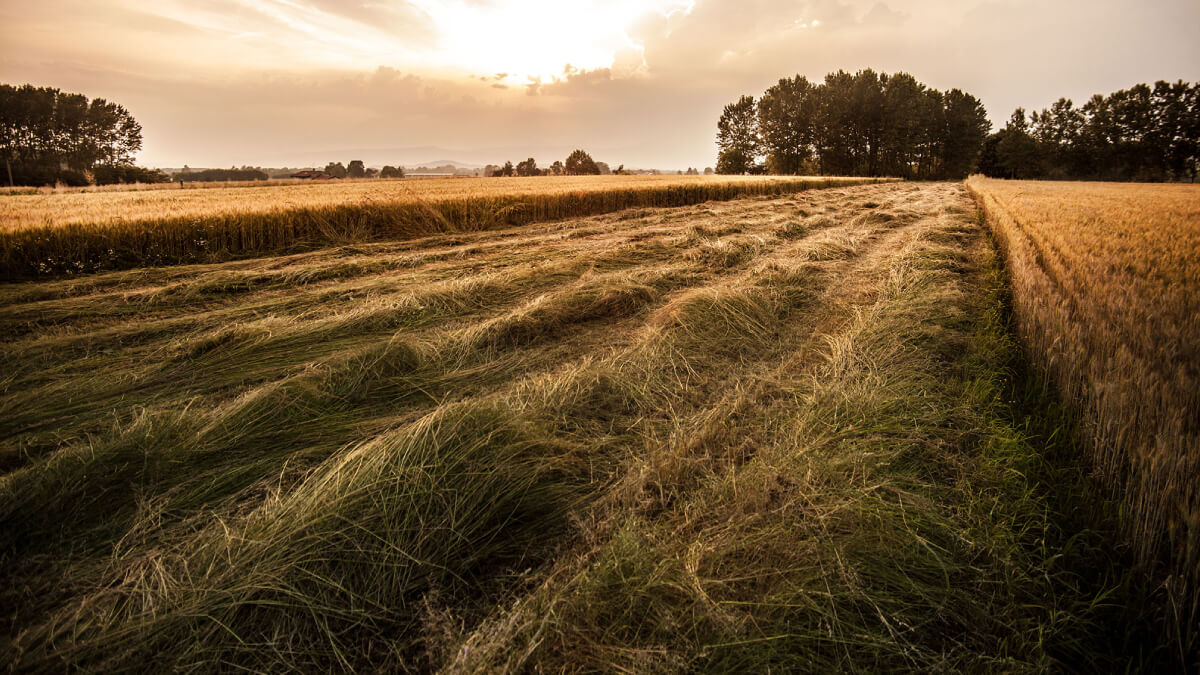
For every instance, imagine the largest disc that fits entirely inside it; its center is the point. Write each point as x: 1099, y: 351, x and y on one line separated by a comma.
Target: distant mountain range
x: 445, y: 162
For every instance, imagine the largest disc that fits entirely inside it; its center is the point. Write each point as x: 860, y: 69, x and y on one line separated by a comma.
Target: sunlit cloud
x: 639, y: 82
x: 282, y: 32
x: 537, y: 39
x: 525, y: 39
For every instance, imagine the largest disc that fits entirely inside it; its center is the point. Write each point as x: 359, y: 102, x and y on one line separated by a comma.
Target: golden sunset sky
x: 641, y: 83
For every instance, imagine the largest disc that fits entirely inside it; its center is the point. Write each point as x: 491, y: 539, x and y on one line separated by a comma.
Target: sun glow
x: 520, y: 41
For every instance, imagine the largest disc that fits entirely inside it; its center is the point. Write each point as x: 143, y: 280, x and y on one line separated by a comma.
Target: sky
x: 218, y: 83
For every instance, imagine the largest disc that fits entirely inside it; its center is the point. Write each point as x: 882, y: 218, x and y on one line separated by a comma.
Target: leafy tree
x: 580, y: 163
x: 786, y: 118
x: 392, y: 172
x: 335, y: 170
x: 604, y: 168
x: 737, y: 137
x: 1177, y: 133
x: 1140, y: 133
x: 110, y: 174
x: 867, y: 123
x: 527, y: 168
x: 356, y: 169
x: 908, y: 103
x: 231, y: 174
x: 732, y: 161
x: 507, y: 171
x: 966, y: 129
x: 557, y: 168
x: 1018, y: 151
x: 708, y: 171
x: 989, y: 156
x: 47, y: 135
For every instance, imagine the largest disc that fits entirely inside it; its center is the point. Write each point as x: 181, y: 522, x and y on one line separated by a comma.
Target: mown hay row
x: 582, y: 369
x: 765, y: 438
x: 862, y: 508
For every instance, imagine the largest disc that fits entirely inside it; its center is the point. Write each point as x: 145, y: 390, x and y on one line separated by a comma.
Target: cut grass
x: 637, y: 455
x: 864, y: 512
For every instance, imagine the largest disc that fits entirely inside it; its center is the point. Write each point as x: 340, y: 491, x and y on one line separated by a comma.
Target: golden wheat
x: 75, y: 232
x: 1106, y: 293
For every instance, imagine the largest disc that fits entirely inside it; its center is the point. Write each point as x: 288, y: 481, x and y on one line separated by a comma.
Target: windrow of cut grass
x: 1106, y: 293
x: 861, y: 503
x: 746, y: 434
x: 277, y: 362
x: 78, y: 233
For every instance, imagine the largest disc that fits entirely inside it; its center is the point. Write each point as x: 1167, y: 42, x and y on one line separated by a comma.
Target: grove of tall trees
x: 1141, y: 133
x: 865, y: 124
x: 49, y: 136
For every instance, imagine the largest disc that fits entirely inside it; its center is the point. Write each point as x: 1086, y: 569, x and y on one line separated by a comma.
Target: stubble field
x: 776, y: 432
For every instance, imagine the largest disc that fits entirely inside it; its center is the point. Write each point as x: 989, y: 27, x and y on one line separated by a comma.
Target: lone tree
x: 737, y: 137
x: 528, y: 168
x: 579, y: 163
x: 47, y: 135
x: 499, y: 171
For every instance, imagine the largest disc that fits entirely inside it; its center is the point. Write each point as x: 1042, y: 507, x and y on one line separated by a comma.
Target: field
x: 782, y: 432
x: 72, y: 232
x: 1106, y: 293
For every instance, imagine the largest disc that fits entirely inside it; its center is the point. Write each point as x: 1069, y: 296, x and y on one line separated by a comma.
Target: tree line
x: 245, y: 173
x: 578, y: 163
x: 865, y: 124
x: 1142, y: 133
x: 49, y: 136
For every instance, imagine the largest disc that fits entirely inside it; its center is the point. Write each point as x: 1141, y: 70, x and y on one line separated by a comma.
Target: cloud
x: 882, y: 15
x: 219, y: 82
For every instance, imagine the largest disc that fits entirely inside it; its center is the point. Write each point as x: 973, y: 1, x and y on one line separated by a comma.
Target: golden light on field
x: 1104, y: 279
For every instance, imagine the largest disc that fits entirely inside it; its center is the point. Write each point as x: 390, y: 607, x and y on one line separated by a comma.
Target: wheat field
x: 1106, y: 292
x: 58, y: 233
x: 769, y: 433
